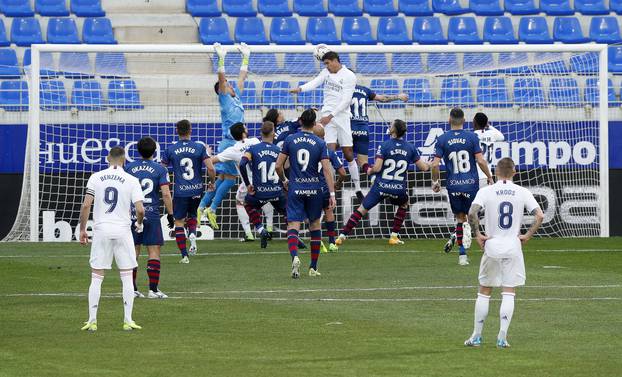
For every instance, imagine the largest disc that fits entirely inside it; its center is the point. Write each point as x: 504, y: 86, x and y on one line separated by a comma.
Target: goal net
x: 547, y: 101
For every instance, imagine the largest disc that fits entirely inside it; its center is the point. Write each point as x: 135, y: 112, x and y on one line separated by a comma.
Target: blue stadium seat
x: 428, y: 31
x: 203, y: 8
x: 238, y: 8
x: 300, y: 64
x: 564, y: 92
x: 415, y: 7
x: 46, y: 59
x: 52, y: 95
x: 214, y: 29
x: 528, y: 92
x: 556, y: 7
x: 248, y: 95
x: 274, y: 8
x: 521, y: 7
x: 51, y: 8
x: 492, y: 92
x: 463, y: 30
x: 285, y: 31
x: 615, y: 6
x: 356, y: 31
x: 419, y: 92
x: 263, y: 63
x: 322, y: 30
x: 62, y: 31
x: 4, y: 40
x: 123, y: 95
x: 345, y: 8
x: 369, y: 63
x: 591, y: 7
x: 514, y: 59
x: 456, y: 92
x: 387, y: 87
x: 310, y: 8
x: 448, y: 7
x: 568, y: 30
x: 486, y: 7
x: 9, y: 68
x: 615, y: 59
x: 605, y: 30
x: 275, y: 94
x: 16, y: 8
x: 407, y: 63
x: 534, y: 30
x: 233, y: 61
x: 555, y: 64
x: 591, y: 92
x: 499, y: 30
x: 379, y: 8
x: 14, y: 95
x: 584, y: 63
x: 312, y: 98
x: 111, y: 64
x: 26, y: 31
x: 87, y: 8
x: 443, y: 63
x: 87, y: 95
x: 250, y: 30
x: 393, y: 31
x: 479, y: 64
x: 75, y: 65
x: 98, y: 31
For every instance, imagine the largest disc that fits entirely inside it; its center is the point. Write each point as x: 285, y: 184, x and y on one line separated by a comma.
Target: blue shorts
x: 360, y: 138
x: 460, y: 201
x: 185, y: 207
x: 325, y: 198
x: 151, y: 234
x: 278, y: 202
x: 301, y: 207
x: 228, y: 167
x: 375, y: 196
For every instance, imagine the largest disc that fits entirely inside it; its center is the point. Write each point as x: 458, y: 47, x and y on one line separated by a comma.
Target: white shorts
x: 502, y: 272
x: 104, y: 248
x: 339, y: 131
x: 483, y: 182
x: 240, y: 195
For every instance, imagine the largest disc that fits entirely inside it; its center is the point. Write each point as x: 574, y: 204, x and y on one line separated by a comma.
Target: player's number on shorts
x: 506, y: 209
x: 147, y: 186
x: 303, y: 159
x: 268, y: 173
x: 359, y: 107
x: 186, y: 163
x: 460, y: 160
x: 111, y: 197
x: 394, y: 170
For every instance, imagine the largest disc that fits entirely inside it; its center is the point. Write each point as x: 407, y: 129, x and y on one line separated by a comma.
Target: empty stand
x: 264, y: 63
x: 386, y: 87
x: 9, y: 68
x: 239, y: 8
x: 98, y: 31
x: 419, y: 91
x: 356, y: 31
x: 285, y: 31
x: 312, y: 98
x: 456, y: 92
x: 370, y: 64
x: 615, y: 59
x: 250, y: 30
x: 448, y: 7
x: 16, y: 8
x: 276, y: 94
x: 568, y: 30
x: 379, y: 8
x: 62, y: 31
x: 345, y: 8
x: 393, y: 31
x: 123, y: 95
x: 322, y: 30
x: 415, y: 7
x: 4, y: 40
x: 310, y: 8
x: 14, y: 95
x: 428, y: 30
x: 605, y: 30
x: 443, y: 63
x: 87, y: 95
x: 274, y: 8
x: 528, y: 92
x: 534, y: 30
x: 51, y: 8
x: 46, y: 60
x: 591, y: 7
x: 556, y: 7
x: 564, y: 92
x: 521, y: 7
x: 407, y: 63
x: 300, y: 64
x: 591, y: 93
x: 463, y: 30
x: 52, y: 95
x: 75, y: 65
x: 499, y: 30
x: 492, y: 92
x: 87, y: 8
x: 26, y: 31
x: 486, y: 7
x: 214, y: 29
x: 203, y: 8
x: 111, y: 64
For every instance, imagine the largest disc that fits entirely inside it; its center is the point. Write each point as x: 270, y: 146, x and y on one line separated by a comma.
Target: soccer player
x: 305, y: 152
x: 112, y: 192
x: 186, y: 157
x: 460, y: 150
x: 231, y: 112
x: 282, y: 128
x: 391, y: 169
x: 502, y: 264
x: 153, y: 178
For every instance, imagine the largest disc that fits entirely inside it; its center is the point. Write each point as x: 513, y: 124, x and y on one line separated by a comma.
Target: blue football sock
x: 209, y: 195
x: 462, y: 250
x: 221, y: 192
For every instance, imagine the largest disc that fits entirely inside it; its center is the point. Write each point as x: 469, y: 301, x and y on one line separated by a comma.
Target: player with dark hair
x: 282, y: 128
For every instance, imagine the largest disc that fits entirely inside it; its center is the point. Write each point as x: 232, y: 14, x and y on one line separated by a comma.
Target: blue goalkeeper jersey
x: 458, y: 148
x: 151, y: 176
x: 396, y: 155
x: 263, y: 168
x: 231, y: 111
x: 186, y: 157
x: 305, y: 151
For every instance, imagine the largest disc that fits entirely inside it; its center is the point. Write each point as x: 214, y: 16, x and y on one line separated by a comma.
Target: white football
x: 320, y: 51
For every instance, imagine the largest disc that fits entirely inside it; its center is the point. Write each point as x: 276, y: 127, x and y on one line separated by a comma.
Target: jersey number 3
x: 186, y: 163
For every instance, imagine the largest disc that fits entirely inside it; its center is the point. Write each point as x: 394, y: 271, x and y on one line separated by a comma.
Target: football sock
x: 180, y: 238
x: 192, y: 226
x: 398, y: 220
x: 94, y: 293
x: 254, y: 217
x: 243, y: 218
x: 268, y: 211
x: 134, y: 273
x: 316, y: 241
x: 353, y: 168
x: 221, y: 192
x: 153, y: 271
x: 352, y: 222
x: 505, y: 313
x: 330, y: 230
x: 459, y: 234
x: 128, y: 295
x: 292, y: 242
x: 481, y: 312
x: 209, y: 195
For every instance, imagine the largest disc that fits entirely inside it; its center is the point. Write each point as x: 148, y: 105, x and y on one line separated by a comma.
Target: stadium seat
x: 393, y: 31
x: 534, y: 30
x: 214, y: 29
x: 512, y: 61
x: 528, y: 92
x: 521, y: 7
x: 591, y: 92
x: 479, y: 64
x: 250, y: 31
x: 62, y: 31
x: 322, y: 30
x: 4, y: 40
x: 274, y: 8
x: 615, y: 59
x: 486, y: 7
x: 428, y: 31
x: 87, y: 8
x: 387, y: 87
x: 463, y: 30
x: 75, y: 65
x: 568, y: 30
x: 285, y: 31
x: 564, y: 92
x: 415, y: 7
x: 492, y: 92
x: 46, y: 61
x: 615, y: 6
x: 111, y: 64
x: 203, y: 8
x: 310, y: 8
x: 87, y: 95
x: 556, y: 7
x: 263, y: 63
x: 9, y: 68
x: 456, y: 92
x: 238, y: 8
x: 248, y: 95
x: 51, y: 8
x: 605, y: 30
x: 584, y: 63
x: 233, y: 61
x: 98, y: 31
x: 379, y: 8
x: 419, y: 92
x: 345, y: 60
x: 123, y: 95
x: 369, y: 63
x: 407, y: 63
x: 16, y: 8
x: 555, y: 64
x: 448, y: 7
x: 345, y: 8
x: 26, y: 31
x: 275, y: 94
x: 300, y: 64
x: 356, y: 31
x: 312, y: 98
x: 443, y: 63
x: 591, y: 7
x: 14, y: 95
x: 52, y: 95
x: 499, y: 30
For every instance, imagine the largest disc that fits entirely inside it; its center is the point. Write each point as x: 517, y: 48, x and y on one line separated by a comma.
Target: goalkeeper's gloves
x: 139, y: 227
x: 220, y: 51
x: 246, y: 54
x: 171, y: 221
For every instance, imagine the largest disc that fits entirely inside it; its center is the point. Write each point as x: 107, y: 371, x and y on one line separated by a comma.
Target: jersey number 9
x: 111, y: 197
x: 303, y: 159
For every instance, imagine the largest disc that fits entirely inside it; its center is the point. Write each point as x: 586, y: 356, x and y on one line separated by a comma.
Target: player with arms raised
x: 502, y: 264
x: 112, y: 192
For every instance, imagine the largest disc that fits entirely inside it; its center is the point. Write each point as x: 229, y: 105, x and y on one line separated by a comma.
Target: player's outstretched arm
x: 474, y: 222
x: 422, y: 165
x: 539, y: 215
x: 329, y: 182
x: 481, y: 162
x: 316, y: 82
x: 85, y: 210
x: 246, y: 55
x: 376, y: 168
x: 390, y: 98
x: 496, y: 134
x: 222, y: 80
x: 436, y: 174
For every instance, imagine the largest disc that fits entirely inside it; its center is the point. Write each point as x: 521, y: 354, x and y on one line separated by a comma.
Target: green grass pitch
x: 375, y: 311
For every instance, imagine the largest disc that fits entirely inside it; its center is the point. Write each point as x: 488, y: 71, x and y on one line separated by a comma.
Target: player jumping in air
x: 283, y: 128
x: 391, y: 169
x: 186, y: 157
x: 460, y: 150
x: 305, y: 152
x: 112, y: 192
x: 502, y: 264
x: 153, y: 178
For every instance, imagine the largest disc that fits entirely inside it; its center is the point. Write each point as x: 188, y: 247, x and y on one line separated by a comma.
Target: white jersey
x: 338, y: 90
x: 236, y: 151
x: 114, y: 192
x: 487, y: 138
x: 504, y: 204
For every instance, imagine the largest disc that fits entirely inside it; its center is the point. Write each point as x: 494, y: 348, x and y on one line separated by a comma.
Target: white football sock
x: 128, y: 295
x: 481, y: 312
x: 353, y: 168
x: 268, y: 211
x: 95, y: 292
x: 505, y: 313
x: 243, y: 218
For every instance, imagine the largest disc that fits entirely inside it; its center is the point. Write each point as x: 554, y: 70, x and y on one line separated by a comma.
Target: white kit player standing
x: 488, y: 136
